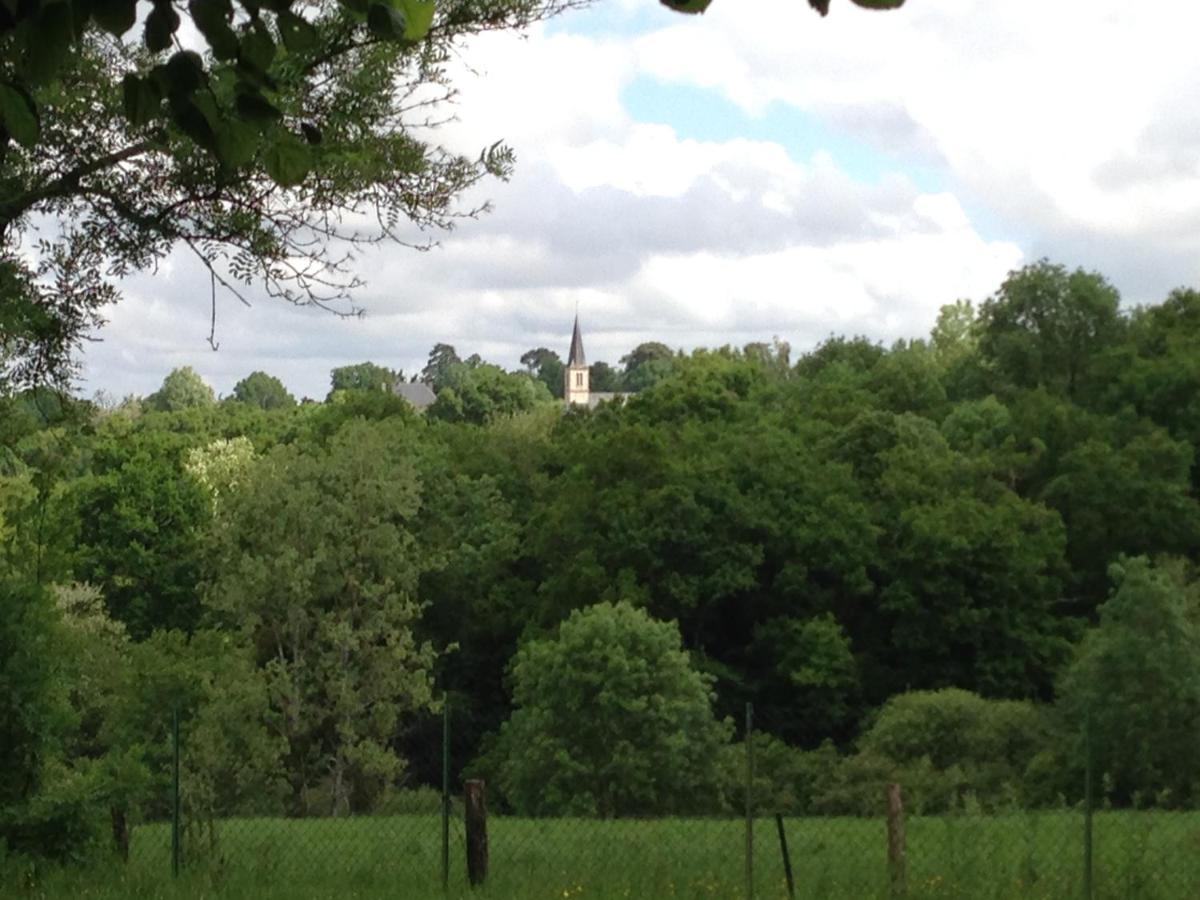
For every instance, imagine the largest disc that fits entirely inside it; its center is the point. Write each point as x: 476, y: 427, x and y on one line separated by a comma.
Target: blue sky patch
x: 608, y: 20
x: 705, y: 115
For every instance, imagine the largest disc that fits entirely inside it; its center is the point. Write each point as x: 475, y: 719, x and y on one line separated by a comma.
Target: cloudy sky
x: 752, y: 172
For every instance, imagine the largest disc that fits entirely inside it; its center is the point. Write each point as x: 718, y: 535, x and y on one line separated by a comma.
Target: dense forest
x: 933, y: 561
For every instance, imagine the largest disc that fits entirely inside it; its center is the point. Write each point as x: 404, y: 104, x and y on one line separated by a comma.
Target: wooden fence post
x: 896, y: 844
x: 477, y: 842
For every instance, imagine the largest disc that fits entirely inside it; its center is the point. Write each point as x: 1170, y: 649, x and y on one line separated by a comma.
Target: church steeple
x: 575, y: 357
x: 575, y: 375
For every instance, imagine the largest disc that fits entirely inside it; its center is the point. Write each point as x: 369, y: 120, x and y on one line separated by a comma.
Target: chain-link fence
x: 436, y: 840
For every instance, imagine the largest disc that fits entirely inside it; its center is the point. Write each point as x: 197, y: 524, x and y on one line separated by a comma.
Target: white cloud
x: 1027, y: 102
x: 1065, y: 128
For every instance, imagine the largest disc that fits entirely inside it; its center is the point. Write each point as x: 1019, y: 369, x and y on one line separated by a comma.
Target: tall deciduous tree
x: 546, y: 366
x: 967, y: 571
x: 1135, y: 685
x: 315, y: 557
x: 365, y: 376
x: 264, y: 391
x: 602, y: 377
x: 35, y: 719
x: 645, y: 365
x: 181, y: 389
x: 1047, y: 327
x: 609, y: 718
x: 140, y: 518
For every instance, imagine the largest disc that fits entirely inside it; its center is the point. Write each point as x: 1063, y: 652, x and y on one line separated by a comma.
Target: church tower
x: 575, y: 377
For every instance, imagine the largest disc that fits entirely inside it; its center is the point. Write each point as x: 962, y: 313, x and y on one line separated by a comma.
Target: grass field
x: 1137, y: 855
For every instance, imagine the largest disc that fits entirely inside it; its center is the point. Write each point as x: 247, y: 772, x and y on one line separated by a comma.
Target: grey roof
x: 595, y: 398
x: 418, y: 393
x: 575, y: 357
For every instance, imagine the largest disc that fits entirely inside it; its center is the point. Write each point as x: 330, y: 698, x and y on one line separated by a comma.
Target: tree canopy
x: 181, y: 389
x: 901, y: 555
x: 609, y: 718
x: 264, y: 391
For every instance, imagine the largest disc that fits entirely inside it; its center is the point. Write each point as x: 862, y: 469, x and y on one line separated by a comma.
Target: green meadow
x: 1039, y: 855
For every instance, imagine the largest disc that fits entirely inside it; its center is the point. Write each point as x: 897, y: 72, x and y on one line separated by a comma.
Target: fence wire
x: 404, y: 847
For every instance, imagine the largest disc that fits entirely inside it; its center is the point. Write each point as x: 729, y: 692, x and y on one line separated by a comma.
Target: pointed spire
x: 575, y: 357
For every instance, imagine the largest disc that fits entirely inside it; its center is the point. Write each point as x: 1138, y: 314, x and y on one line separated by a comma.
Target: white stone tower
x: 575, y: 376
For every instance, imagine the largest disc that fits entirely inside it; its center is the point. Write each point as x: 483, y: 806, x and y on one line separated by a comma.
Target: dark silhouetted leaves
x: 185, y: 72
x: 141, y: 97
x: 386, y: 22
x: 49, y: 41
x: 288, y: 160
x: 236, y: 143
x: 19, y: 115
x: 256, y: 108
x: 197, y: 118
x: 115, y: 16
x: 687, y: 6
x: 258, y: 49
x: 162, y: 22
x: 297, y: 34
x: 212, y: 18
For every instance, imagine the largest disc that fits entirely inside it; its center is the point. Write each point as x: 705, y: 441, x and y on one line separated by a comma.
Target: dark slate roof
x: 418, y: 393
x: 575, y: 357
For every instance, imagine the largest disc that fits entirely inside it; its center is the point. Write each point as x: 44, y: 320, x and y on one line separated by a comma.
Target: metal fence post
x: 749, y: 801
x: 175, y: 793
x: 897, y: 843
x: 446, y: 793
x: 1088, y: 804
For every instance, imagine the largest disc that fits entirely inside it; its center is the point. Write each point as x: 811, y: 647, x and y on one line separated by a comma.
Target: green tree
x: 442, y: 359
x: 122, y: 693
x: 1136, y: 680
x: 1161, y: 376
x: 547, y: 367
x: 908, y: 379
x: 775, y: 357
x: 232, y: 760
x: 811, y: 691
x: 603, y: 378
x: 264, y: 391
x: 859, y: 354
x: 1131, y: 498
x: 140, y: 517
x: 945, y: 746
x: 315, y: 560
x: 955, y: 335
x: 1047, y: 327
x: 181, y: 389
x: 364, y: 376
x: 220, y: 466
x: 35, y: 722
x: 967, y: 571
x: 609, y: 719
x: 480, y: 394
x: 645, y: 365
